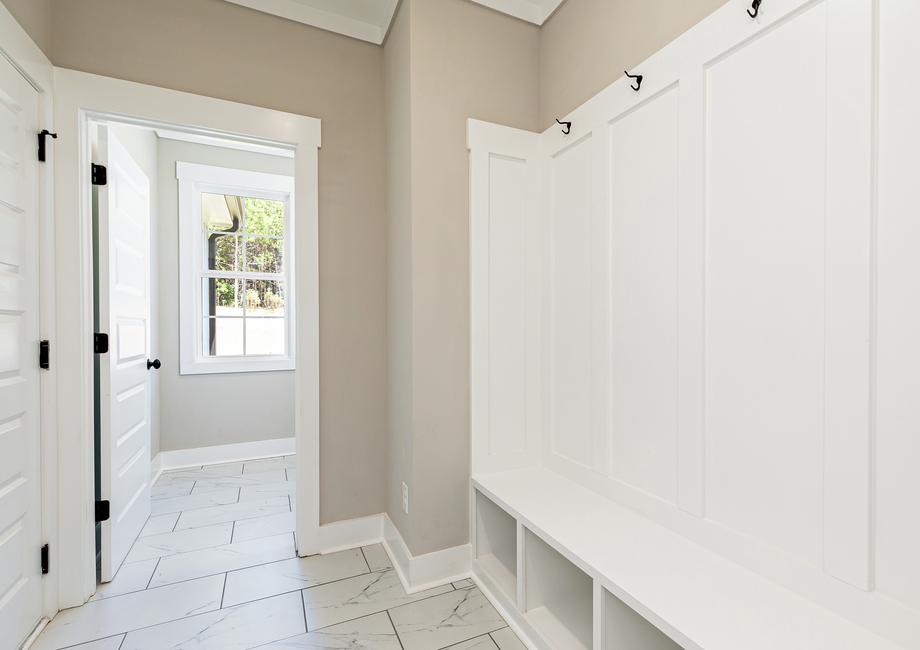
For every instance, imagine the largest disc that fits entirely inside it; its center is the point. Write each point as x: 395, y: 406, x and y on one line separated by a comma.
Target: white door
x: 124, y: 377
x: 20, y: 446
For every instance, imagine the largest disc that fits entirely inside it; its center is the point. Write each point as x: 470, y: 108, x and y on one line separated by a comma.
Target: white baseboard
x: 180, y: 458
x: 342, y: 535
x: 420, y: 572
x: 156, y: 468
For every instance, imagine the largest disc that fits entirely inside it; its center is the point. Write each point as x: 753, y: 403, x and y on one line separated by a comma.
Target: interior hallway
x: 215, y: 567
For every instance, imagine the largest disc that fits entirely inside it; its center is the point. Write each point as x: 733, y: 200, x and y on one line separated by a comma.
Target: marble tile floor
x: 215, y: 568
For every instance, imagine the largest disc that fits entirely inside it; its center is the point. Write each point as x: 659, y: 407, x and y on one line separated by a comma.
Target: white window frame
x: 195, y: 179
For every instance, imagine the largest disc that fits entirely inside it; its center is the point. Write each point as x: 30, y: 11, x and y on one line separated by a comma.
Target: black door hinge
x: 102, y: 511
x: 99, y: 175
x: 44, y: 133
x: 44, y: 355
x: 100, y: 343
x: 45, y: 560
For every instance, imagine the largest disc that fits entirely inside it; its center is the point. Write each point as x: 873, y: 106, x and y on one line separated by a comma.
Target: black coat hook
x: 567, y: 125
x: 756, y: 7
x: 637, y: 77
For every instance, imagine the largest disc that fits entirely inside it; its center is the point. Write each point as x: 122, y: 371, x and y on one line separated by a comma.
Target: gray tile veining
x: 291, y: 575
x: 355, y: 597
x: 446, y: 619
x: 506, y: 639
x: 374, y: 632
x: 215, y: 568
x: 234, y: 628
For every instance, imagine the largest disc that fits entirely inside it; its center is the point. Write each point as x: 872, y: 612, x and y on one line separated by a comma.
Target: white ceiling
x: 369, y: 20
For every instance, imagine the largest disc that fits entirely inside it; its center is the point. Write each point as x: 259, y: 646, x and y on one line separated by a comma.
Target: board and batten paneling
x: 729, y: 306
x: 506, y: 240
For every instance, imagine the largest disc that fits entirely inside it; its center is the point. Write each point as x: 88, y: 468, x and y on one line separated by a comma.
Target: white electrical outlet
x: 405, y: 495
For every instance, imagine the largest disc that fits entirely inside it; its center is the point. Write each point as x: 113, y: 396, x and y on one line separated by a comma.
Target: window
x: 235, y: 270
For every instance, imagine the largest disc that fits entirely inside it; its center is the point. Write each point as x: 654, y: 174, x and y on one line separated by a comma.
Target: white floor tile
x: 167, y: 491
x: 355, y: 597
x: 180, y: 541
x: 377, y: 558
x: 479, y: 643
x: 444, y: 620
x: 111, y: 616
x: 291, y: 575
x: 269, y: 464
x: 233, y: 512
x: 220, y: 559
x: 247, y: 480
x: 264, y: 526
x: 463, y: 584
x: 159, y: 524
x: 195, y: 501
x: 111, y: 643
x: 267, y: 490
x: 372, y: 632
x: 506, y: 639
x: 132, y: 576
x: 237, y: 628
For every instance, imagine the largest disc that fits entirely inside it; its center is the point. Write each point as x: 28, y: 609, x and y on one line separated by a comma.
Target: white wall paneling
x: 505, y: 244
x: 726, y: 313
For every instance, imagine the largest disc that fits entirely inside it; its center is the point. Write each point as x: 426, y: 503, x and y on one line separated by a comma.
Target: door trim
x: 22, y: 52
x: 80, y: 99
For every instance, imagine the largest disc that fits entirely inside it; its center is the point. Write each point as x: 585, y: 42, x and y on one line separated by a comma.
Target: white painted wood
x: 533, y: 11
x: 195, y: 179
x: 367, y: 20
x: 765, y: 285
x: 697, y: 597
x: 897, y: 445
x: 124, y: 380
x: 506, y: 239
x: 624, y: 628
x: 496, y: 545
x: 850, y: 292
x: 240, y: 451
x: 558, y: 596
x: 157, y: 107
x: 20, y: 417
x: 644, y: 216
x: 420, y: 572
x: 728, y: 318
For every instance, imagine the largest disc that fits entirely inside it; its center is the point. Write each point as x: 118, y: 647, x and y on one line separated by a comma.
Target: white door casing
x: 124, y: 378
x: 20, y: 444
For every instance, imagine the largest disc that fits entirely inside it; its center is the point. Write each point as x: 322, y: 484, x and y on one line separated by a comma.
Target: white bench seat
x: 699, y: 598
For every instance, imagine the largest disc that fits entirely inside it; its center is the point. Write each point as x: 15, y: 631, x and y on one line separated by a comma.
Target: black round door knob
x: 155, y: 364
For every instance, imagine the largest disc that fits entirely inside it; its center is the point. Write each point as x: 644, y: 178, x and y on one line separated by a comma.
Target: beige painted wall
x: 397, y: 77
x: 219, y: 409
x: 35, y: 18
x: 586, y: 45
x: 463, y: 61
x: 215, y: 48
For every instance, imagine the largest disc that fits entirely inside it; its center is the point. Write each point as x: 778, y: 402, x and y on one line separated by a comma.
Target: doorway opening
x: 194, y: 329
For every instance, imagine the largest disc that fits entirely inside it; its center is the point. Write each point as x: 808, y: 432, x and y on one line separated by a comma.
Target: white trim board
x: 216, y: 454
x: 533, y: 11
x: 81, y: 98
x: 420, y: 572
x: 365, y: 28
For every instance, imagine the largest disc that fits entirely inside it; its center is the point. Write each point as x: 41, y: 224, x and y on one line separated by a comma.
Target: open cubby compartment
x: 558, y: 596
x: 626, y: 629
x: 496, y: 545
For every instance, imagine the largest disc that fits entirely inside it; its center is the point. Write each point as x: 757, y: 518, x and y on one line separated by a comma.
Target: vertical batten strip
x: 848, y: 292
x: 691, y: 246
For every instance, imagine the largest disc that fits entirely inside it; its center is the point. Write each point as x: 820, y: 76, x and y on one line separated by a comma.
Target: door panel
x: 124, y: 380
x: 20, y: 446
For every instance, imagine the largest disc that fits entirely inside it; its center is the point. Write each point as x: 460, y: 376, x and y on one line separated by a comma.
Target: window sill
x: 236, y: 365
